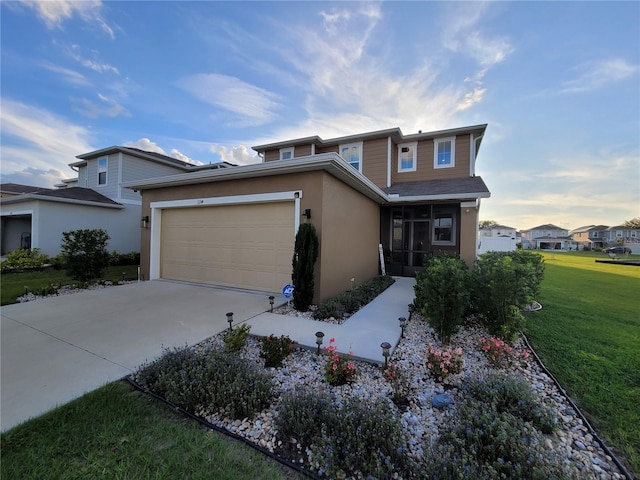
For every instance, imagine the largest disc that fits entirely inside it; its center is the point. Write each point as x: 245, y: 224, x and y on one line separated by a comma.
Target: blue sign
x: 287, y: 291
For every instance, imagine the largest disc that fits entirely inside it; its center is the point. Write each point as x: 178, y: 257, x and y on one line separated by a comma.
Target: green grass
x: 14, y: 285
x: 588, y: 335
x: 116, y: 432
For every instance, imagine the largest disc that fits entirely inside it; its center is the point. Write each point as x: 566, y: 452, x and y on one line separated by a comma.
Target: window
x: 619, y: 233
x: 443, y: 229
x: 286, y: 153
x: 444, y: 152
x: 407, y: 157
x: 102, y: 171
x: 595, y: 234
x: 352, y: 153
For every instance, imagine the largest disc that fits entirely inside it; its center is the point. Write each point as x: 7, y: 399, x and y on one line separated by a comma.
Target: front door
x: 416, y: 245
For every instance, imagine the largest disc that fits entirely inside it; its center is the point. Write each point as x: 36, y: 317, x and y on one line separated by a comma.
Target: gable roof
x: 394, y: 133
x: 497, y: 226
x: 17, y: 188
x: 77, y: 195
x: 589, y: 228
x: 547, y: 226
x: 151, y: 156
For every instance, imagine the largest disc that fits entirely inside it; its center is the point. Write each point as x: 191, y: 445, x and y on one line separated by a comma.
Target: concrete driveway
x: 57, y: 349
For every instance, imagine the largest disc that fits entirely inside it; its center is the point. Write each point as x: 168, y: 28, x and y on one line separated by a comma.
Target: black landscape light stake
x: 412, y: 309
x: 386, y: 346
x: 403, y: 324
x: 230, y: 320
x: 271, y: 300
x: 319, y: 336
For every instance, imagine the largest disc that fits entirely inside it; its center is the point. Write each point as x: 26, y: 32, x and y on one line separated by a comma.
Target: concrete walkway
x: 363, y: 333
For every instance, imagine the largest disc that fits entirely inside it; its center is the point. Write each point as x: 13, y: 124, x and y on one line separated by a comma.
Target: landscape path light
x: 230, y: 320
x: 386, y: 346
x: 319, y: 337
x: 403, y: 324
x: 271, y: 300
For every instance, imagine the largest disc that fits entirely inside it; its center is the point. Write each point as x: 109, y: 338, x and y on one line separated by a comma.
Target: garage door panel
x: 245, y: 246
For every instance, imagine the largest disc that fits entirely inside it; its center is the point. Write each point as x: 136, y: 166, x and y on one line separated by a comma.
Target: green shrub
x: 443, y: 294
x: 24, y: 259
x: 503, y: 284
x: 85, y: 253
x: 304, y: 260
x: 118, y: 259
x: 275, y: 349
x: 358, y: 438
x: 57, y: 262
x: 352, y: 300
x: 235, y: 339
x: 493, y: 435
x: 212, y: 380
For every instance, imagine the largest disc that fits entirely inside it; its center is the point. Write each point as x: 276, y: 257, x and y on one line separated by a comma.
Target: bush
x: 304, y: 260
x: 275, y: 349
x: 358, y: 438
x: 443, y: 363
x: 24, y: 259
x: 352, y: 300
x: 235, y: 339
x: 339, y: 368
x: 118, y: 259
x: 503, y: 284
x: 442, y: 294
x: 491, y: 436
x: 212, y: 380
x: 400, y: 384
x: 85, y: 253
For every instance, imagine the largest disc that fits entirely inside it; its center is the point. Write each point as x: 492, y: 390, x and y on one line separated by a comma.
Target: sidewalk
x: 362, y: 333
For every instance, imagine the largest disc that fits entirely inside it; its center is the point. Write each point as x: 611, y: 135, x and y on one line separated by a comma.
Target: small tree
x: 304, y: 260
x: 442, y: 294
x: 85, y: 253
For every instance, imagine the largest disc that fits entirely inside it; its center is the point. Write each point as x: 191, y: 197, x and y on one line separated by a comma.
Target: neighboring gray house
x: 547, y: 237
x: 589, y: 236
x: 621, y: 235
x: 34, y: 217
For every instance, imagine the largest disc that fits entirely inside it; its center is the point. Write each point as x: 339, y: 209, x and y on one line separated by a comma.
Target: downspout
x: 388, y: 162
x: 474, y: 146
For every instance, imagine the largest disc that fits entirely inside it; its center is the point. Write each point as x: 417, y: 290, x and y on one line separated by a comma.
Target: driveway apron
x: 56, y: 349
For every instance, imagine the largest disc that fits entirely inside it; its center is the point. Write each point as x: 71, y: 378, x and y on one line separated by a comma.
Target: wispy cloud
x: 55, y: 12
x: 107, y: 107
x: 69, y: 76
x: 36, y: 137
x: 251, y: 105
x: 92, y: 62
x: 597, y: 74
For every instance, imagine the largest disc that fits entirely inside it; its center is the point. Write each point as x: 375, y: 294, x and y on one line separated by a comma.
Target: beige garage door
x: 244, y: 246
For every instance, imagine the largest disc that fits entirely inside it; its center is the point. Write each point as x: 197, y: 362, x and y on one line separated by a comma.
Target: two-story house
x: 34, y: 217
x: 379, y: 200
x: 621, y: 235
x: 589, y: 237
x: 547, y: 237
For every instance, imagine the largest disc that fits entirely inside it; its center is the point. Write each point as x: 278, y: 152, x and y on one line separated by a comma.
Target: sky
x: 558, y: 84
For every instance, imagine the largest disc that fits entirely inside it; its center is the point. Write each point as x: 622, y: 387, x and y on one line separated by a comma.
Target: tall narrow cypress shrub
x: 304, y: 259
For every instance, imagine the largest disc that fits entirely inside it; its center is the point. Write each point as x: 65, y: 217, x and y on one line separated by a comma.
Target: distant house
x: 375, y: 198
x: 35, y: 217
x: 620, y: 234
x: 547, y: 237
x: 499, y: 238
x: 589, y: 237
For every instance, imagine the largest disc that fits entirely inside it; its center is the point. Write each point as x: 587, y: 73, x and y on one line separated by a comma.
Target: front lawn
x: 588, y: 335
x: 117, y: 432
x: 15, y: 285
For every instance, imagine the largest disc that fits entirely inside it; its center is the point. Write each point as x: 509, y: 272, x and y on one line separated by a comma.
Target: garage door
x: 243, y: 246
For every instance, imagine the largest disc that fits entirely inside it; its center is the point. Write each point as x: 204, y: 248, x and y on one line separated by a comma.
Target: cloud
x: 94, y: 63
x: 107, y: 108
x: 35, y: 177
x: 251, y: 105
x: 55, y: 12
x: 239, y: 154
x: 149, y: 146
x: 597, y: 74
x: 70, y: 76
x: 36, y: 137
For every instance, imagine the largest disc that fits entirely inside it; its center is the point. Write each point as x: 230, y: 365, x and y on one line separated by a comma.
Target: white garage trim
x: 158, y: 207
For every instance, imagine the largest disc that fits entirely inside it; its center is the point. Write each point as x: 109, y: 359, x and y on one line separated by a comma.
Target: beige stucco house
x: 377, y: 199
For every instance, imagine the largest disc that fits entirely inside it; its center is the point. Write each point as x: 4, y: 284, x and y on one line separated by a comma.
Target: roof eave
x: 75, y: 201
x: 443, y: 196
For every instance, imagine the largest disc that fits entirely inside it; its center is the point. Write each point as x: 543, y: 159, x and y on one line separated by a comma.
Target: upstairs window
x: 286, y: 153
x: 102, y: 171
x: 352, y: 153
x: 444, y: 152
x: 407, y: 157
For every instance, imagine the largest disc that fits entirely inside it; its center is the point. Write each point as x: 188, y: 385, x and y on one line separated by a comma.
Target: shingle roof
x: 547, y: 226
x: 78, y: 194
x: 441, y: 187
x: 18, y: 188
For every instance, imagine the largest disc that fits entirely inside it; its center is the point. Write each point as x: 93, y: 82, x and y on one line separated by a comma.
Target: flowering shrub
x: 339, y: 369
x: 500, y: 353
x: 235, y: 339
x: 443, y: 363
x: 400, y: 384
x: 275, y: 349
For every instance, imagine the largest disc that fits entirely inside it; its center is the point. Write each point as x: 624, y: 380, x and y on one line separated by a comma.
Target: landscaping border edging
x: 592, y: 431
x: 224, y: 431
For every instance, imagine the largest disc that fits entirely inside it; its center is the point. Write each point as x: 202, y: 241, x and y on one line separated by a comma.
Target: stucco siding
x: 468, y: 236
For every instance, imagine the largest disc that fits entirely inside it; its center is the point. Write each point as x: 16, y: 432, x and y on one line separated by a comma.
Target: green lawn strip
x: 588, y: 335
x: 118, y: 432
x: 13, y: 285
